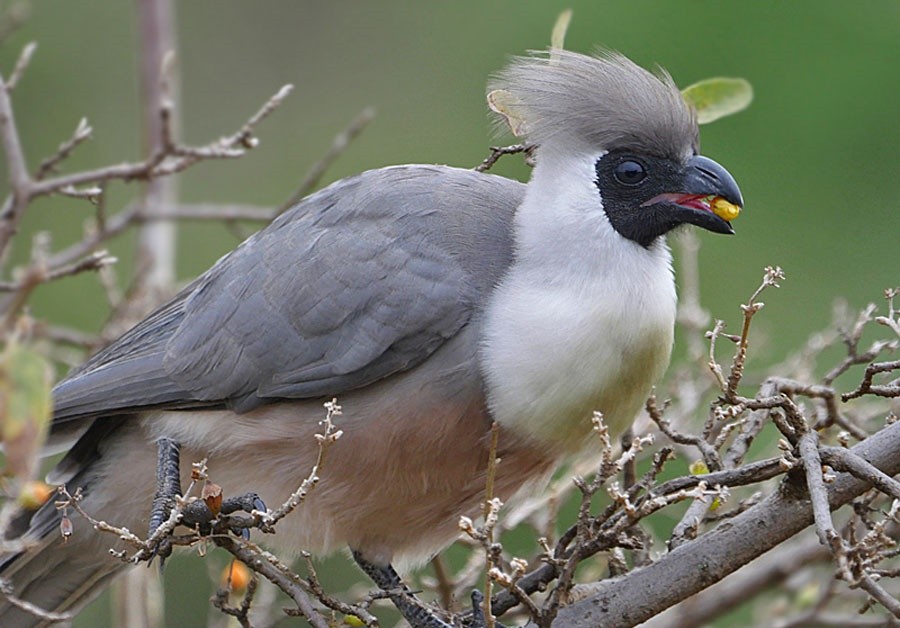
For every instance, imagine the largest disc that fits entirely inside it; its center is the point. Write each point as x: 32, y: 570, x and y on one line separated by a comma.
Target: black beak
x: 693, y: 192
x: 703, y: 177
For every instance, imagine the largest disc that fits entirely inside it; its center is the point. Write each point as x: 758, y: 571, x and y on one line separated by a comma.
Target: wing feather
x: 366, y: 278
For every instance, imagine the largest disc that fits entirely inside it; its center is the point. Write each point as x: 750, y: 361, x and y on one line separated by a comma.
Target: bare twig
x: 867, y: 387
x: 330, y: 434
x: 694, y: 565
x: 33, y: 609
x: 210, y: 211
x: 276, y: 572
x: 19, y: 180
x: 21, y: 65
x: 35, y: 275
x: 158, y: 165
x: 845, y: 460
x: 81, y: 134
x: 340, y: 143
x: 499, y: 151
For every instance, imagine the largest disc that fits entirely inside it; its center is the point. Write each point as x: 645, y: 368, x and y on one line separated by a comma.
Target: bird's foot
x: 234, y: 515
x: 168, y: 489
x: 208, y: 515
x: 413, y: 610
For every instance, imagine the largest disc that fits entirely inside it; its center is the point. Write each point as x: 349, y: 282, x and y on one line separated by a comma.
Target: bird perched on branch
x: 432, y: 302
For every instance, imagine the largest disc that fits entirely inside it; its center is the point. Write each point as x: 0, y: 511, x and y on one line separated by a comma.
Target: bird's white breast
x: 583, y: 321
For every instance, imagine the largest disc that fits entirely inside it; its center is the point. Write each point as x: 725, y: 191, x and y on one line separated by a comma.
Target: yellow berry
x: 238, y: 574
x: 35, y: 494
x: 725, y: 210
x: 698, y: 467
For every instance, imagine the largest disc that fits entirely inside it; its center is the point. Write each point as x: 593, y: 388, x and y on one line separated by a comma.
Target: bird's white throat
x: 584, y: 319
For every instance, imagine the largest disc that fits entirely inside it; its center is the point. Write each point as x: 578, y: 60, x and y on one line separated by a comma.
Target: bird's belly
x: 393, y: 485
x: 412, y: 458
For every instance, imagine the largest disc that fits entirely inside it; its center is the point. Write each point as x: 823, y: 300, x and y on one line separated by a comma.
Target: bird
x: 433, y: 302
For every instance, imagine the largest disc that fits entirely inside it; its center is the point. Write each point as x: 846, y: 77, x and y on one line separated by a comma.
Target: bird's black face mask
x: 645, y: 196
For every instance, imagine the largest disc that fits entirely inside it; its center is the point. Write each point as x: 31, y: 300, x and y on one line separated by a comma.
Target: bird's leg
x: 196, y: 514
x: 477, y: 618
x: 387, y: 579
x: 168, y: 488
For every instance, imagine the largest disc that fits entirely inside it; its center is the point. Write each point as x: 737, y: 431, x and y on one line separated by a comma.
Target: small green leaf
x: 718, y: 97
x: 698, y: 467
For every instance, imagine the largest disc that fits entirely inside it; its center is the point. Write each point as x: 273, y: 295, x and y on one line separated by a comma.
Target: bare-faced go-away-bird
x: 432, y: 302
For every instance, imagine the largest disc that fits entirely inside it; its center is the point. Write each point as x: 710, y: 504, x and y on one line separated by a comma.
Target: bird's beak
x: 707, y: 196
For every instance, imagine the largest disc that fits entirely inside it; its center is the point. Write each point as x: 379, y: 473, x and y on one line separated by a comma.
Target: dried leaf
x: 716, y: 98
x: 502, y: 102
x: 212, y: 496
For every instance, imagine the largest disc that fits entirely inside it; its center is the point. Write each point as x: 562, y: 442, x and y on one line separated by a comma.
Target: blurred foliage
x: 816, y: 155
x: 26, y: 378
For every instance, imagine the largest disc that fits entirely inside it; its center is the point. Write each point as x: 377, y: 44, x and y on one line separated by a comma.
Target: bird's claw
x: 197, y: 514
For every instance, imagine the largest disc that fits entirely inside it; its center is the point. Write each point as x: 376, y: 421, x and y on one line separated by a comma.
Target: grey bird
x: 431, y: 301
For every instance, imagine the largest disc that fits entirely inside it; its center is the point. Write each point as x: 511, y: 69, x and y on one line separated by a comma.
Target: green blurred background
x: 816, y: 154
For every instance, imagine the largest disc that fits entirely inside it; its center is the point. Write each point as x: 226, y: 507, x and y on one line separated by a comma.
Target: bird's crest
x: 602, y: 102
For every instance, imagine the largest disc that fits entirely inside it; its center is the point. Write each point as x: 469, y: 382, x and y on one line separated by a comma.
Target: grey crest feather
x: 600, y: 102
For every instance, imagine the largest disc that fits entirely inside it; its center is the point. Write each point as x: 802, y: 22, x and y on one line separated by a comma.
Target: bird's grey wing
x: 364, y: 279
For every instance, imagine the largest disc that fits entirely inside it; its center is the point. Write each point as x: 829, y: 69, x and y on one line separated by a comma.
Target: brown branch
x: 21, y: 65
x: 35, y: 275
x: 81, y: 134
x: 771, y: 278
x: 710, y: 455
x: 330, y: 434
x: 870, y: 586
x: 866, y: 386
x: 315, y: 587
x: 818, y: 495
x: 240, y: 613
x: 845, y: 460
x: 162, y: 164
x: 499, y: 151
x: 695, y: 565
x: 20, y: 182
x: 209, y: 211
x: 759, y: 576
x: 273, y: 570
x: 33, y: 609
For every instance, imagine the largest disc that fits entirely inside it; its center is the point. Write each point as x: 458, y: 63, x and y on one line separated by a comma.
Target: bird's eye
x: 630, y: 173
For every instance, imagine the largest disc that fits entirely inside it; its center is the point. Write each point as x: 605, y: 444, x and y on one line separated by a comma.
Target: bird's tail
x: 54, y: 566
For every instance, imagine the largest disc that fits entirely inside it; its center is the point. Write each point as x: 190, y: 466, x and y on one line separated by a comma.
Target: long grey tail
x: 50, y: 571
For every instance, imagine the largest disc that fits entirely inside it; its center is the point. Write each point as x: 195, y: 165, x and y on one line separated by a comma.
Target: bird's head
x: 634, y: 127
